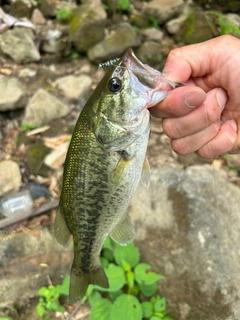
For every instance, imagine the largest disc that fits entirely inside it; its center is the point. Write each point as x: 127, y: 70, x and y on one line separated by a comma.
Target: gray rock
x: 18, y: 44
x: 38, y: 18
x: 22, y: 8
x: 87, y: 19
x: 44, y: 107
x: 163, y: 10
x: 233, y: 160
x: 174, y: 25
x: 153, y: 34
x: 27, y: 260
x: 187, y: 228
x: 13, y: 94
x: 114, y: 45
x: 75, y: 88
x: 150, y: 52
x: 10, y: 176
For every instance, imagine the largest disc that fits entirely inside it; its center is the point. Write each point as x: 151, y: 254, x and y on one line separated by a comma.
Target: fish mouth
x: 146, y: 75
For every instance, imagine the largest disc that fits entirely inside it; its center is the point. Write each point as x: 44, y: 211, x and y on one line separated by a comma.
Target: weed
x: 129, y: 280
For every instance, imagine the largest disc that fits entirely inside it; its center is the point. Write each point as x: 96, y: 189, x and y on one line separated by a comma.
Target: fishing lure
x: 109, y: 63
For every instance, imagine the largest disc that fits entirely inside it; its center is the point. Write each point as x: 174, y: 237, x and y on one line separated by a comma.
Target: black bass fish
x: 105, y: 162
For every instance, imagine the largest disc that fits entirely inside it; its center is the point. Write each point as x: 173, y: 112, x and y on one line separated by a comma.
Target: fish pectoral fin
x: 61, y: 231
x: 146, y: 172
x: 123, y: 232
x: 122, y: 164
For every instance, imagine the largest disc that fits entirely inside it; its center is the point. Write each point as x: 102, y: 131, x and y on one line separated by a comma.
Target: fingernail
x: 221, y: 97
x: 233, y: 124
x: 194, y: 99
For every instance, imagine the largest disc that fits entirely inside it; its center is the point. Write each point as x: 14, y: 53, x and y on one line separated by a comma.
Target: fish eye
x: 114, y: 85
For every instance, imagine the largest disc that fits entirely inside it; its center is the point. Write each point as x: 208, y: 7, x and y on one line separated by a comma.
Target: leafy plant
x: 48, y: 301
x: 128, y: 281
x: 28, y: 127
x: 225, y: 24
x: 124, y: 5
x: 64, y: 15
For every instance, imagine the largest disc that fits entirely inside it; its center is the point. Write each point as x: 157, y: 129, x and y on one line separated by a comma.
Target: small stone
x: 44, y: 107
x: 22, y: 8
x: 18, y: 44
x: 163, y: 10
x: 38, y: 17
x: 153, y: 34
x: 14, y: 96
x: 10, y: 176
x: 75, y: 88
x: 27, y: 72
x: 56, y: 158
x: 233, y: 161
x: 174, y: 25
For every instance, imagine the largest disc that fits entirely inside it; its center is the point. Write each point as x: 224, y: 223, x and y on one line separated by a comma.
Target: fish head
x: 130, y: 87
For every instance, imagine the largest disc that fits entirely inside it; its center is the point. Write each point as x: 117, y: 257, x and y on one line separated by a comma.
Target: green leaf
x: 108, y: 254
x: 147, y: 308
x: 40, y: 309
x: 160, y: 305
x: 128, y: 306
x: 94, y: 297
x: 64, y: 287
x: 116, y: 277
x: 144, y: 276
x: 130, y: 279
x: 101, y: 310
x: 108, y: 243
x: 115, y: 294
x: 155, y: 318
x: 104, y: 262
x: 129, y: 254
x: 148, y: 289
x: 43, y: 291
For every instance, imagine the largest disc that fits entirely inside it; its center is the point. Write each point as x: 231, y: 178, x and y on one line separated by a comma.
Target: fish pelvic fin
x: 79, y: 283
x: 61, y: 231
x: 123, y: 232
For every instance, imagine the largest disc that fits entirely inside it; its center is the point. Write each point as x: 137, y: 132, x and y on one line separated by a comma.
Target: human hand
x: 204, y: 115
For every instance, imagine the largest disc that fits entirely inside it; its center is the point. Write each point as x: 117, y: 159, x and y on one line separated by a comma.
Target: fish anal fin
x: 146, y: 173
x: 123, y: 232
x: 79, y: 283
x: 61, y: 231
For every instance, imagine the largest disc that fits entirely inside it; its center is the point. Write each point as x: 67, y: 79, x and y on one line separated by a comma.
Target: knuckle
x: 180, y: 146
x: 171, y: 128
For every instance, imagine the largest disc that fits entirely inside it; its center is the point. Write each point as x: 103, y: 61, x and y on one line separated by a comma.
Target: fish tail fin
x: 61, y: 231
x: 79, y: 283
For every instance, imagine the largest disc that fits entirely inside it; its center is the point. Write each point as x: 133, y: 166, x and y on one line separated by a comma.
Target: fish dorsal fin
x: 146, y: 172
x: 123, y: 232
x: 61, y: 231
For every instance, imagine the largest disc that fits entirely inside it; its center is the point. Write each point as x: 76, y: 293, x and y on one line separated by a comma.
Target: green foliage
x: 27, y: 127
x: 225, y: 24
x: 64, y: 15
x: 48, y: 301
x: 153, y: 23
x: 5, y: 319
x: 124, y: 5
x: 128, y: 280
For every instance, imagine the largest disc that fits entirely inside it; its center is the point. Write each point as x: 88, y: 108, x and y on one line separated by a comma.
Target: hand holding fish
x: 204, y: 115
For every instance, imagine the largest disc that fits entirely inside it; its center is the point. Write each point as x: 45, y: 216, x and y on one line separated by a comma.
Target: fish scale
x: 105, y: 162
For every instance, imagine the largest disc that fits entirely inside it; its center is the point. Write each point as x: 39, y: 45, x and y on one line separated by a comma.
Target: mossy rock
x: 197, y: 27
x: 35, y: 157
x: 150, y: 53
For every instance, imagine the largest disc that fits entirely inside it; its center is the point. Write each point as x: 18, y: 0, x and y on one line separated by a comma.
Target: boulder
x: 87, y: 19
x: 13, y: 94
x: 163, y: 10
x: 44, y: 107
x: 114, y: 45
x: 187, y: 228
x: 18, y: 44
